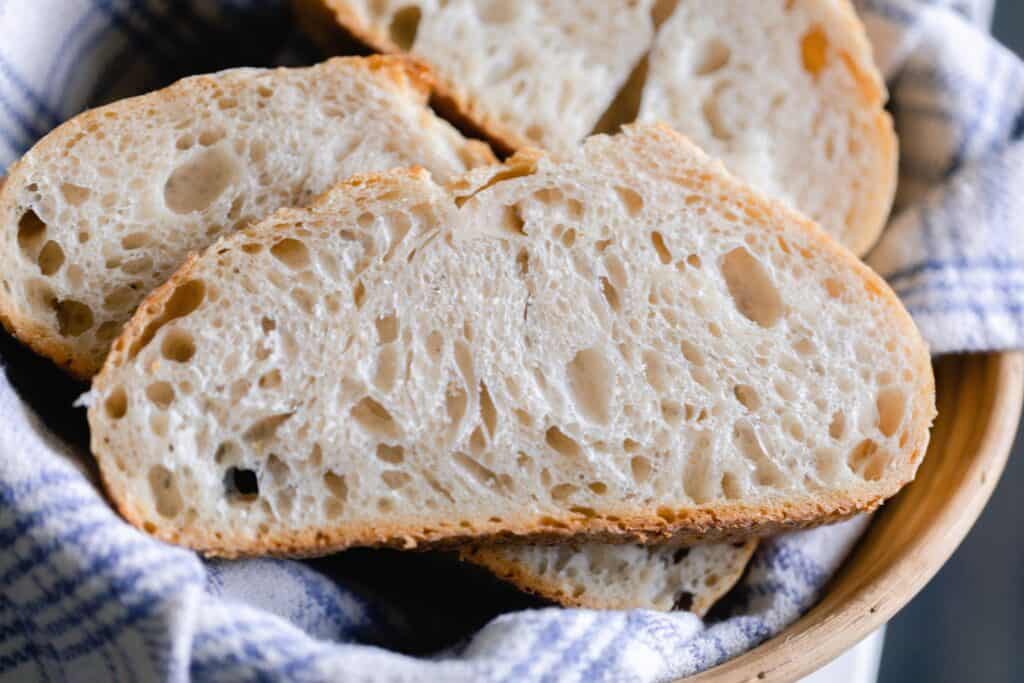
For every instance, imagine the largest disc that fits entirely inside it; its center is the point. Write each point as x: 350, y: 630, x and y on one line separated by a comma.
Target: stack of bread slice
x: 572, y: 366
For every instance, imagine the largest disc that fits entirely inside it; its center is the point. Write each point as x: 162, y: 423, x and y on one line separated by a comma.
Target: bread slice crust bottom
x: 504, y: 564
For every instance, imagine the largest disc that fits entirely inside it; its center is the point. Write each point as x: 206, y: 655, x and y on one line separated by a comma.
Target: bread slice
x: 785, y: 92
x: 606, y: 576
x: 107, y: 206
x: 788, y: 96
x: 525, y: 73
x: 626, y: 343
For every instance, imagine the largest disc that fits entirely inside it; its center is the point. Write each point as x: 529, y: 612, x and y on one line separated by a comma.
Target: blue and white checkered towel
x: 83, y: 596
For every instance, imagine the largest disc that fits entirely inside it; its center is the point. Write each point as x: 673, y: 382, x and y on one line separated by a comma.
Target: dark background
x: 968, y: 623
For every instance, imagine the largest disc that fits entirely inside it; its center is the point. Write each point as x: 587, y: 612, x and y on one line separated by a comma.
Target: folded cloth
x: 84, y: 596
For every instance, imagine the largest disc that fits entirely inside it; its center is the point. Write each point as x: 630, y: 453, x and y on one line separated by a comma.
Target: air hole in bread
x: 477, y: 441
x: 714, y: 56
x: 185, y: 141
x: 51, y: 258
x: 266, y: 428
x: 664, y: 255
x: 390, y: 454
x: 598, y: 487
x: 766, y: 472
x: 574, y: 208
x: 891, y: 405
x: 512, y: 221
x: 702, y: 377
x: 683, y: 601
x: 386, y: 369
x: 164, y: 487
x: 751, y: 287
x: 713, y: 116
x: 336, y: 485
x: 731, y: 487
x: 241, y: 485
x: 488, y: 413
x: 791, y: 423
x: 671, y: 413
x: 591, y: 381
x: 135, y: 240
x: 211, y: 136
x: 178, y: 346
x: 75, y: 195
x: 31, y: 231
x: 562, y: 492
x: 395, y: 479
x: 116, y: 404
x: 197, y: 183
x: 837, y: 427
x: 464, y: 362
x: 656, y: 371
x: 160, y: 394
x: 404, y: 25
x: 292, y: 253
x: 136, y: 266
x: 630, y: 199
x: 747, y: 396
x: 186, y: 298
x: 805, y: 347
x: 387, y: 329
x: 568, y: 238
x: 359, y: 294
x: 477, y: 472
x: 552, y: 522
x: 455, y: 405
x: 270, y: 380
x: 73, y: 317
x: 562, y: 444
x: 640, y: 467
x: 375, y: 419
x: 610, y: 294
x: 866, y: 460
x: 304, y: 299
x: 814, y: 50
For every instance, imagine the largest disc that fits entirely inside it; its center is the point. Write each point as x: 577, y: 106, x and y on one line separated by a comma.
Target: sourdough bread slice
x: 107, y: 206
x: 625, y: 576
x: 785, y: 92
x: 788, y: 96
x: 626, y: 343
x: 525, y: 73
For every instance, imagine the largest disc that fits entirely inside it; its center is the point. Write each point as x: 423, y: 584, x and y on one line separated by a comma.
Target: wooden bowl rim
x: 842, y: 618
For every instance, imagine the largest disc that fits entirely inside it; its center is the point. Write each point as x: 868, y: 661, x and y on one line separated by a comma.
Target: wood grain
x: 979, y: 403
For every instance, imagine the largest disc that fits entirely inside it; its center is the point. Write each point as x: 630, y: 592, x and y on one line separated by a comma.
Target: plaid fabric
x: 85, y: 597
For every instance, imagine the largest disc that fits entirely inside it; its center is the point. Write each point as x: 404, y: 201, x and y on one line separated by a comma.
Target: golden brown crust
x: 876, y: 206
x: 451, y: 101
x: 525, y: 580
x: 728, y: 521
x: 404, y: 75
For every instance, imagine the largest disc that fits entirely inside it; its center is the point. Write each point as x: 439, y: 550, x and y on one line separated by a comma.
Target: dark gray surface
x: 968, y: 623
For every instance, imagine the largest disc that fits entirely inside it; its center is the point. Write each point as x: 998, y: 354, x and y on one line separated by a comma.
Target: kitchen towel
x: 84, y: 596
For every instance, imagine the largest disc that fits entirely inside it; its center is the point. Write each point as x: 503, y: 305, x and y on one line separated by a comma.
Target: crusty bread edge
x: 522, y: 578
x: 876, y: 205
x: 728, y: 521
x: 406, y: 76
x: 450, y: 100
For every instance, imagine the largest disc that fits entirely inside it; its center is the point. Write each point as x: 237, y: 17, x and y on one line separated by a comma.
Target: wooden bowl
x: 979, y: 403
